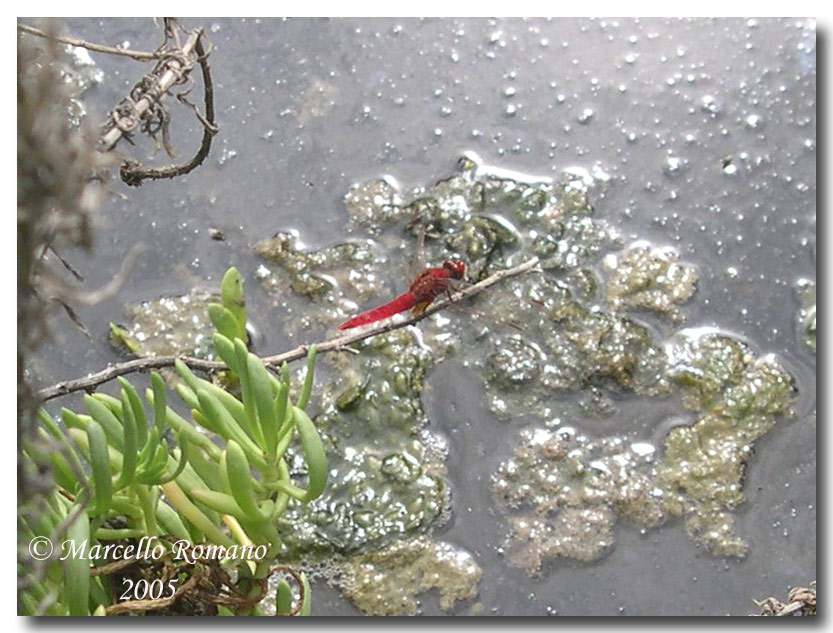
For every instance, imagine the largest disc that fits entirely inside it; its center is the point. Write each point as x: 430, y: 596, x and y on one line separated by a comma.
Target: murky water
x: 664, y: 170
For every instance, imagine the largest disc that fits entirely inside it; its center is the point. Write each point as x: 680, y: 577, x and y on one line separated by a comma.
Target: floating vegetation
x: 568, y: 491
x: 387, y: 581
x: 649, y: 278
x: 564, y: 347
x: 372, y: 204
x: 310, y: 273
x: 563, y: 343
x: 386, y: 473
x: 170, y: 325
x: 703, y: 464
x: 805, y: 292
x: 563, y: 491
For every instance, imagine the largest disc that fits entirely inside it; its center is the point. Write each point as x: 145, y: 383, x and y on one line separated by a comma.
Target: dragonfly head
x: 456, y: 267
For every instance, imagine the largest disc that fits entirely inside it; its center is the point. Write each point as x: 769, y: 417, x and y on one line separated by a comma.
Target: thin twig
x: 334, y: 344
x: 51, y: 282
x: 176, y: 65
x: 297, y: 578
x: 98, y: 48
x: 133, y: 173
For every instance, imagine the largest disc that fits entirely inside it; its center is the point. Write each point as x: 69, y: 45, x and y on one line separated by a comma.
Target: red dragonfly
x: 428, y: 285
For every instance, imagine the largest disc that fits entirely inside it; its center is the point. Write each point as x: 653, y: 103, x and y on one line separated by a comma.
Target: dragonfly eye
x: 456, y: 266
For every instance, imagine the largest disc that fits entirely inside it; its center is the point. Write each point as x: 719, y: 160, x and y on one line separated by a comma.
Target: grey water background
x: 706, y: 127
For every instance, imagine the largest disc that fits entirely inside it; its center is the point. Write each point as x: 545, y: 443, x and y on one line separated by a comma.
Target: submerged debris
x: 800, y: 601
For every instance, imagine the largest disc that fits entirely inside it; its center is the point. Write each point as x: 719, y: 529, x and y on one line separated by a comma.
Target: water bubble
x: 673, y: 166
x: 753, y: 121
x: 710, y: 105
x: 586, y: 116
x: 226, y: 155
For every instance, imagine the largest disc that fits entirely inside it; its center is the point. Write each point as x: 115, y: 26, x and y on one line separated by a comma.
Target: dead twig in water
x: 337, y: 344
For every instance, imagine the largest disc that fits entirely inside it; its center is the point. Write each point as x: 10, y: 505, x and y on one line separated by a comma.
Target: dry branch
x: 334, y: 344
x: 171, y: 70
x: 134, y: 173
x: 98, y: 48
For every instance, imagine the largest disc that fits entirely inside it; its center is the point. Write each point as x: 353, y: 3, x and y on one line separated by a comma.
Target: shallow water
x: 706, y: 129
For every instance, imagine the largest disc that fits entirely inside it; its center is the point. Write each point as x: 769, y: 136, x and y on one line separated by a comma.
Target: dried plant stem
x: 176, y: 68
x: 134, y: 173
x: 334, y: 344
x: 98, y: 48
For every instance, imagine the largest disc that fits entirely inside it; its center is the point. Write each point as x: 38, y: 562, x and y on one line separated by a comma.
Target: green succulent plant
x: 129, y: 467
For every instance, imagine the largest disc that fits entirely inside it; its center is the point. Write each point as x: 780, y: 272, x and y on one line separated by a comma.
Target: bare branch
x: 98, y: 48
x: 134, y: 173
x: 331, y: 345
x: 172, y: 68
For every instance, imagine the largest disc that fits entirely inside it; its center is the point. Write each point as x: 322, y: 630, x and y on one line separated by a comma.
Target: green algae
x: 373, y: 204
x: 740, y: 396
x: 558, y: 342
x: 388, y: 580
x: 563, y: 492
x: 168, y: 325
x: 311, y: 273
x: 386, y: 472
x: 649, y: 278
x: 564, y: 347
